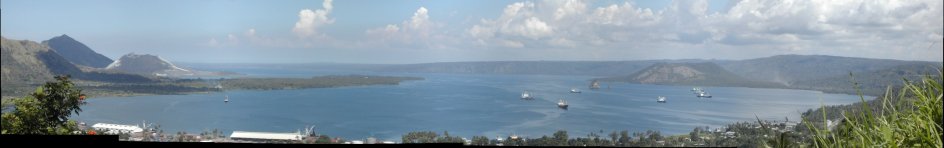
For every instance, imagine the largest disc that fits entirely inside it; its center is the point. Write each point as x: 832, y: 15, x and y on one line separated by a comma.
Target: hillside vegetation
x: 907, y: 116
x: 699, y: 74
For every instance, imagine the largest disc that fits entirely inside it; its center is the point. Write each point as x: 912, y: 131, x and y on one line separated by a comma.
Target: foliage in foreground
x: 910, y: 118
x: 46, y: 111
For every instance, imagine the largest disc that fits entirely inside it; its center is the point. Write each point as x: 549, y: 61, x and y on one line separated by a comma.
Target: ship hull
x: 563, y: 106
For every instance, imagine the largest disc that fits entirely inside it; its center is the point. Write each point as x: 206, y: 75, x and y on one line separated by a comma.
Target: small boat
x: 226, y: 100
x: 595, y: 84
x: 697, y: 90
x: 704, y: 95
x: 574, y: 90
x: 526, y: 95
x: 562, y: 104
x: 661, y: 99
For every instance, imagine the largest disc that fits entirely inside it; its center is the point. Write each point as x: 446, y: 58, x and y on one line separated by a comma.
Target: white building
x: 117, y: 128
x: 730, y: 134
x: 372, y: 140
x: 265, y: 136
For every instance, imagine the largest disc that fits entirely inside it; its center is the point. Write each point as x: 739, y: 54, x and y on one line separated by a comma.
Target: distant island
x: 153, y: 65
x: 28, y: 64
x: 313, y: 82
x: 187, y: 86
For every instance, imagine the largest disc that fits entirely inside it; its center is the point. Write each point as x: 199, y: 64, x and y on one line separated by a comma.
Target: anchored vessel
x: 696, y: 90
x: 704, y: 95
x: 700, y: 92
x: 595, y: 84
x: 562, y: 104
x: 526, y: 95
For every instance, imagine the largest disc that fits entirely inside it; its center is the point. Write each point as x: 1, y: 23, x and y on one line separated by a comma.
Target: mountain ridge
x: 146, y: 64
x: 29, y: 62
x: 77, y: 52
x: 786, y: 69
x: 698, y: 74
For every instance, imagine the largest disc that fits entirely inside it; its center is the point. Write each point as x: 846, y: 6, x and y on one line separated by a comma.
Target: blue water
x: 464, y: 105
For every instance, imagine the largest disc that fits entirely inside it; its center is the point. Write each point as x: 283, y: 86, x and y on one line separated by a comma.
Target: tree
x: 323, y: 140
x: 479, y: 141
x: 655, y: 135
x: 560, y: 138
x: 613, y: 137
x: 420, y: 137
x: 624, y: 138
x: 449, y: 139
x: 45, y: 111
x: 694, y: 134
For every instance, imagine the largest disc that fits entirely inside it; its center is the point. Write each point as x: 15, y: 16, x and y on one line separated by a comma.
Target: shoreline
x: 787, y: 87
x: 195, y: 86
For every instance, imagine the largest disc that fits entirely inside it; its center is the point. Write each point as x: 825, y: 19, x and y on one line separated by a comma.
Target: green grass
x: 909, y: 118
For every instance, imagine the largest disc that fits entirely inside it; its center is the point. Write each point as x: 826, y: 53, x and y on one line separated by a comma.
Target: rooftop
x: 266, y: 135
x: 132, y: 128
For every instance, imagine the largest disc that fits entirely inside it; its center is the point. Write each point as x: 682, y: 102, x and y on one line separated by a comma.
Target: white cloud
x: 565, y: 24
x: 327, y: 5
x: 883, y: 24
x: 510, y: 43
x: 684, y: 29
x: 253, y: 38
x: 420, y: 19
x: 570, y: 8
x: 515, y: 23
x: 213, y: 43
x: 232, y: 39
x: 251, y: 32
x: 416, y: 32
x: 309, y: 21
x: 865, y: 28
x: 532, y: 28
x: 385, y: 32
x: 481, y: 32
x: 933, y: 37
x: 562, y: 42
x: 625, y: 14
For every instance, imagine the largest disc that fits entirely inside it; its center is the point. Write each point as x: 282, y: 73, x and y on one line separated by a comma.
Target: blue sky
x: 416, y: 31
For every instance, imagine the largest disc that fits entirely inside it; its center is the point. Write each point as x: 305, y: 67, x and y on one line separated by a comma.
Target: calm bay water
x: 464, y: 105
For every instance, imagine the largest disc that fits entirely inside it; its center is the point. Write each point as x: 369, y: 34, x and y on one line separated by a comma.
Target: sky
x: 422, y: 31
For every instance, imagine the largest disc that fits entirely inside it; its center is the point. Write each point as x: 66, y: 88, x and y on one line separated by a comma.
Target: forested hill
x: 871, y: 83
x: 584, y: 68
x: 76, y: 52
x: 789, y: 68
x: 698, y: 74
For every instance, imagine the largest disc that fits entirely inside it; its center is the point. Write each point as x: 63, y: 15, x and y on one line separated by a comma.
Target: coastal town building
x: 117, y: 128
x: 266, y: 136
